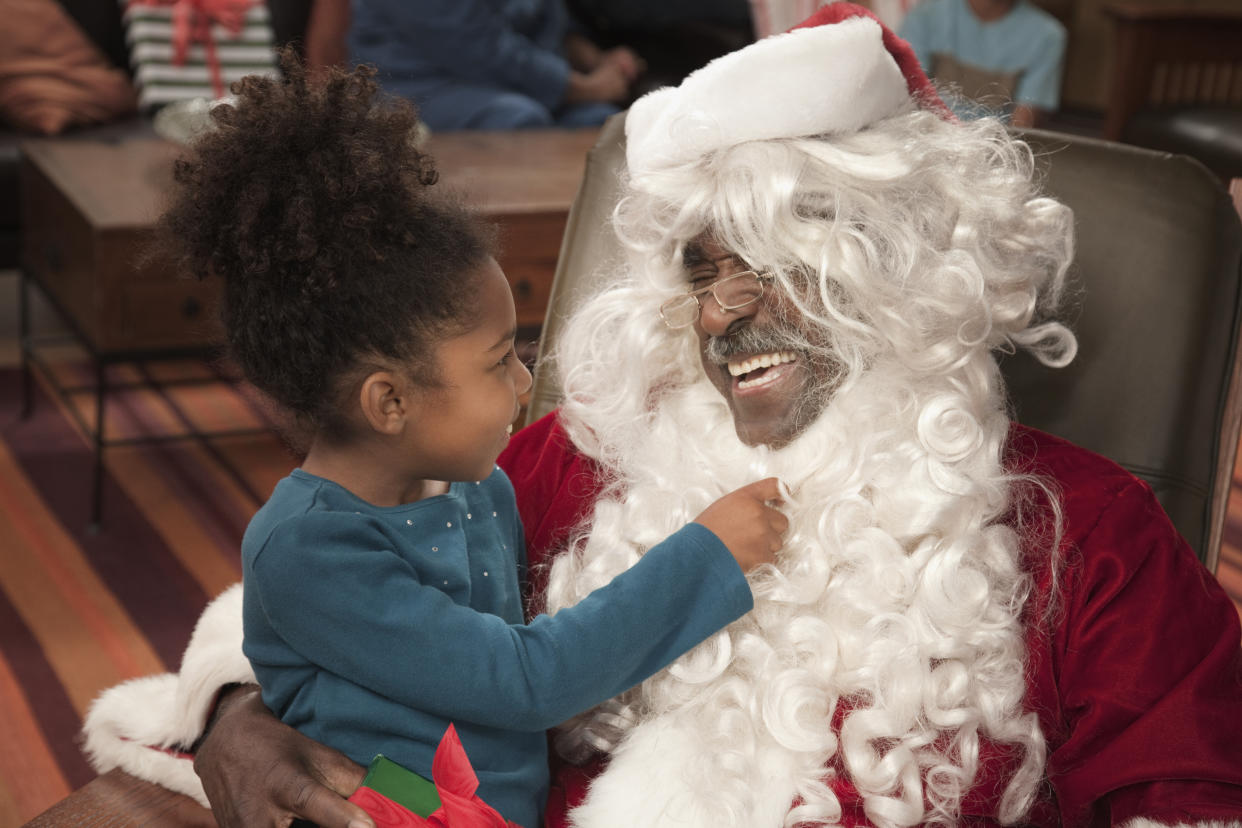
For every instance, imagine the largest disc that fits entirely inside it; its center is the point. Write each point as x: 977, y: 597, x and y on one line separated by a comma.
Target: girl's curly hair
x: 311, y: 202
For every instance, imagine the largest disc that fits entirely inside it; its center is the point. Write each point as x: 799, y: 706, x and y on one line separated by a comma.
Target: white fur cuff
x: 139, y: 725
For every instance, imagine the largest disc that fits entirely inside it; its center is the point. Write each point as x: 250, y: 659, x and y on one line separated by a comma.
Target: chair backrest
x: 1154, y: 299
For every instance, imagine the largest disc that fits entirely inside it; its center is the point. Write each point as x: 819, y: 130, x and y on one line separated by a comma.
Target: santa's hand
x: 258, y: 772
x: 748, y: 523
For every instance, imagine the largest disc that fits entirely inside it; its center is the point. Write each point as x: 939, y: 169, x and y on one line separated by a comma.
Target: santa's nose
x: 716, y: 321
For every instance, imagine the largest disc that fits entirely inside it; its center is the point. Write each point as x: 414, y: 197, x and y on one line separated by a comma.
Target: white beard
x: 636, y: 789
x: 895, y: 591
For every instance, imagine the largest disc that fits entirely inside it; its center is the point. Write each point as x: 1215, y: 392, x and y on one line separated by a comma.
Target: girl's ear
x: 386, y: 402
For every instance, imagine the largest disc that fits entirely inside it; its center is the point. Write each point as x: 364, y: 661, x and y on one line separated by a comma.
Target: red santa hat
x: 836, y: 72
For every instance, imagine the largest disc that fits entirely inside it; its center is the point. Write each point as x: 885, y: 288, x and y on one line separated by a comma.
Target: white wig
x: 913, y: 248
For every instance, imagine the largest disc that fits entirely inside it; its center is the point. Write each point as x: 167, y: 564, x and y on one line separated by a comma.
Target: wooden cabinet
x: 88, y: 208
x: 87, y: 212
x: 526, y: 182
x: 529, y: 246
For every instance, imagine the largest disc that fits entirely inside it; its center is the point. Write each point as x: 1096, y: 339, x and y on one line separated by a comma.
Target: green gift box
x: 402, y: 786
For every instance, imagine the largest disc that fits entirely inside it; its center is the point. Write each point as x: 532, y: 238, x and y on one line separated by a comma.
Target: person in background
x: 490, y: 64
x: 1003, y: 57
x: 673, y: 37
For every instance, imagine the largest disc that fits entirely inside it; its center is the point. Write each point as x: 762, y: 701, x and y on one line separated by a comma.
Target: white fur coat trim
x: 834, y: 78
x: 128, y: 725
x: 648, y: 777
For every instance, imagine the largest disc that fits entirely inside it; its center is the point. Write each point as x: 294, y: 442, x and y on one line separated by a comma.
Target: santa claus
x: 822, y: 263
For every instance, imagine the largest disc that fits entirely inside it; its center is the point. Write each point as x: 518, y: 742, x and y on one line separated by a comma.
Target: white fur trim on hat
x: 811, y: 81
x: 139, y: 725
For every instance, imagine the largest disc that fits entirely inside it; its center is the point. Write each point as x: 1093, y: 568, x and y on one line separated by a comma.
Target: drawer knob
x: 522, y: 290
x: 191, y: 308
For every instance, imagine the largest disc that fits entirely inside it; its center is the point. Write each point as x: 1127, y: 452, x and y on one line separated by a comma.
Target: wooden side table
x: 88, y: 208
x: 87, y: 212
x: 526, y: 182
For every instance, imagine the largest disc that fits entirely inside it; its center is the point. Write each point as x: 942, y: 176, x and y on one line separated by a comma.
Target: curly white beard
x: 897, y: 596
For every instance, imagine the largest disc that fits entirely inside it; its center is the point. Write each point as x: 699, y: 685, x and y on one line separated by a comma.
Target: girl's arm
x: 462, y: 664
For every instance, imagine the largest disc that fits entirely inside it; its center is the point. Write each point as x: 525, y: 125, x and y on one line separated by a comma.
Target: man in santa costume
x: 971, y: 622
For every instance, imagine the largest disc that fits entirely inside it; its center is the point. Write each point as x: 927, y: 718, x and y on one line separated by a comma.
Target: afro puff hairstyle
x: 311, y: 202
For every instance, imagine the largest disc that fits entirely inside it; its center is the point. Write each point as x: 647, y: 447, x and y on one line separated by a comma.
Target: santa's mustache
x: 753, y: 339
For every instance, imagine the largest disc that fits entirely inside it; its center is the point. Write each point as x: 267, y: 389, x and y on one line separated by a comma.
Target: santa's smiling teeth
x: 745, y: 366
x: 753, y: 369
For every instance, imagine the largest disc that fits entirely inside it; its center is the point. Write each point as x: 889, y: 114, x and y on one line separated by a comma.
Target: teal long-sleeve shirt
x: 370, y: 629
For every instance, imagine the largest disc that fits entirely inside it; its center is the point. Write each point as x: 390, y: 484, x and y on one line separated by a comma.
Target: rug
x: 83, y: 608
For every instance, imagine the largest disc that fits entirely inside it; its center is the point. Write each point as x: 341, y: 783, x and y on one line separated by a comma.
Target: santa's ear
x: 385, y: 401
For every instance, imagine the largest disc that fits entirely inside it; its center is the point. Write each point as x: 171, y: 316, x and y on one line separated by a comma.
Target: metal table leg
x: 24, y: 343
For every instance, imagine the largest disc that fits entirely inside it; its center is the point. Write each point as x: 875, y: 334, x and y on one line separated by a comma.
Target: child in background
x: 382, y: 577
x: 1000, y: 57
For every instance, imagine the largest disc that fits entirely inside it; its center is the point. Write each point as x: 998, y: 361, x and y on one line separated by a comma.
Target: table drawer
x: 174, y: 313
x: 529, y: 244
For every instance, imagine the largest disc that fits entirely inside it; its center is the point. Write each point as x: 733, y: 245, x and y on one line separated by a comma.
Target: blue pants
x: 458, y: 106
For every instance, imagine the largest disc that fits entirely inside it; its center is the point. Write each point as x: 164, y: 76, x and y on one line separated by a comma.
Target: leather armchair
x: 1155, y: 302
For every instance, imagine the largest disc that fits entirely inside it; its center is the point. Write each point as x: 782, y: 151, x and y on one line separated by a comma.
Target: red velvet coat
x: 1135, y: 671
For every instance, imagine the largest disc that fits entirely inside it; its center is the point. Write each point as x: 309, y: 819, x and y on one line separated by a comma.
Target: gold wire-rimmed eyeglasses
x: 731, y: 293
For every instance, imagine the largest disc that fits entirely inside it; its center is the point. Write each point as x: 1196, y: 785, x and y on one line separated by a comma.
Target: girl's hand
x: 746, y: 522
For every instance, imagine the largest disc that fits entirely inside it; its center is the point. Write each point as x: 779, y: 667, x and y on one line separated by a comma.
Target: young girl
x: 382, y: 578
